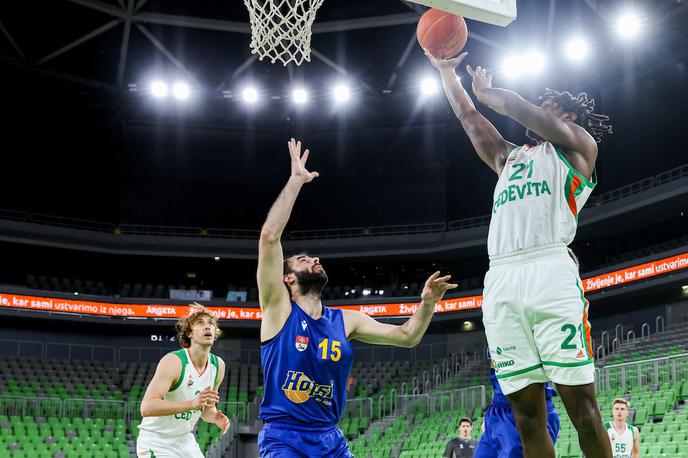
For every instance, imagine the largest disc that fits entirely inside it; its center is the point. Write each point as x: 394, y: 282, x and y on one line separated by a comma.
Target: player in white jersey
x: 183, y: 389
x: 625, y: 438
x: 534, y: 312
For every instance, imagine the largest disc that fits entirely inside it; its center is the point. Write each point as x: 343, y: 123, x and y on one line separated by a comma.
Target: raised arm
x: 166, y: 376
x: 486, y: 139
x: 210, y: 413
x: 362, y: 327
x: 545, y: 123
x: 272, y: 293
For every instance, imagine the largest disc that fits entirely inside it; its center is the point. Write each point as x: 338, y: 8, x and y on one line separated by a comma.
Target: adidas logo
x: 580, y: 354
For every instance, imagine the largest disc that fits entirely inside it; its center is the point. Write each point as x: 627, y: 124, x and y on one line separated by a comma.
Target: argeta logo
x: 301, y: 343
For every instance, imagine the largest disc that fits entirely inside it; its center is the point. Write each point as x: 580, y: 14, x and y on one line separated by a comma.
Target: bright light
x: 684, y: 287
x: 534, y: 62
x: 250, y: 95
x: 428, y: 85
x: 159, y: 89
x: 341, y: 93
x: 300, y: 96
x: 576, y: 49
x: 628, y: 25
x: 181, y: 91
x: 513, y: 67
x: 381, y: 292
x: 366, y: 292
x: 217, y: 258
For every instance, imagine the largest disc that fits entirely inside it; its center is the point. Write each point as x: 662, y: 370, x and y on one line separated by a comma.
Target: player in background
x: 305, y: 346
x: 534, y: 310
x: 462, y: 446
x: 625, y: 438
x: 183, y: 389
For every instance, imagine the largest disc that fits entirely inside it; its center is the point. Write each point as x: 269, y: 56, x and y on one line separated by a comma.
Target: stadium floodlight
x: 299, y: 95
x: 576, y: 49
x: 366, y: 292
x: 249, y: 94
x: 341, y: 93
x: 181, y: 90
x: 216, y: 258
x: 159, y: 89
x: 381, y: 292
x: 534, y: 62
x: 628, y: 25
x: 512, y: 67
x: 428, y: 85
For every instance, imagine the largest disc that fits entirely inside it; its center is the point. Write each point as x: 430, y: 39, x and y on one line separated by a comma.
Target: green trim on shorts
x: 585, y: 306
x: 522, y: 371
x: 579, y: 363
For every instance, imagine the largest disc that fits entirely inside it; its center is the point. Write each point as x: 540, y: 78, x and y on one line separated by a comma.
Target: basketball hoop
x: 281, y: 29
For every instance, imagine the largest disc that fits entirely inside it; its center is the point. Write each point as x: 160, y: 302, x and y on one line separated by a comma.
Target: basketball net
x: 281, y: 29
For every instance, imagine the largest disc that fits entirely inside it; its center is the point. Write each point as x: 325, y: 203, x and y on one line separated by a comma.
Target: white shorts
x: 151, y: 445
x: 536, y: 319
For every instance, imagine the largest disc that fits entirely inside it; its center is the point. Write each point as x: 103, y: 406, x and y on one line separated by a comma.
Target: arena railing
x: 350, y: 232
x: 648, y: 372
x: 463, y: 399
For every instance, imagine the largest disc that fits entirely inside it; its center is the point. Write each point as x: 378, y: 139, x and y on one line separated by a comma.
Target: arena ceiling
x: 66, y: 64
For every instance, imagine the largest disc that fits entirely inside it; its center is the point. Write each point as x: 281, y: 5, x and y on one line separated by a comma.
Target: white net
x: 281, y: 29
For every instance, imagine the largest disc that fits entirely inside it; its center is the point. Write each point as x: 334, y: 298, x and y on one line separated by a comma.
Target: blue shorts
x: 501, y: 440
x: 281, y: 441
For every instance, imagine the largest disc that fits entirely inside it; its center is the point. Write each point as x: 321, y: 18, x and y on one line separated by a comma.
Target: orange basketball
x: 442, y: 34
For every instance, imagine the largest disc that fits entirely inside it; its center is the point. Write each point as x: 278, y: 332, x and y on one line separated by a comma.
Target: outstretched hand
x: 298, y: 163
x: 445, y: 64
x: 435, y: 287
x: 481, y: 80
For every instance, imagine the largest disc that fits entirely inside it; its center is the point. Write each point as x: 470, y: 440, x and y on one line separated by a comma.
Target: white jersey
x: 536, y: 201
x: 188, y: 386
x: 622, y: 444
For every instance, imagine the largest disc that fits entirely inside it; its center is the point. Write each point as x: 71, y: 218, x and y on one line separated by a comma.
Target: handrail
x: 659, y: 319
x: 630, y: 336
x: 643, y: 328
x: 348, y: 232
x: 619, y: 334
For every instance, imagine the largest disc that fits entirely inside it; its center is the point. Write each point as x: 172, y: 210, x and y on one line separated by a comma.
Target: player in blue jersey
x: 500, y: 438
x: 305, y: 346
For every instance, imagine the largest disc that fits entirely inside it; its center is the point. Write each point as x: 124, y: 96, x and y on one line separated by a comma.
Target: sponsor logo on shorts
x: 501, y: 350
x: 503, y: 364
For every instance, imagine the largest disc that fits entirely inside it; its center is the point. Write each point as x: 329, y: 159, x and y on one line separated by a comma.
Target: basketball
x: 442, y: 34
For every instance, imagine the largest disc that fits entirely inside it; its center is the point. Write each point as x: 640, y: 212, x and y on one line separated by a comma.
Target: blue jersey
x: 305, y: 371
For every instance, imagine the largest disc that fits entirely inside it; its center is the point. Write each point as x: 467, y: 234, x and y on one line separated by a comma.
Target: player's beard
x: 311, y: 282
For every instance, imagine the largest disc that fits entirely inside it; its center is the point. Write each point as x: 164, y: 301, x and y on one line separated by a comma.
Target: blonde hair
x: 184, y: 325
x: 621, y: 401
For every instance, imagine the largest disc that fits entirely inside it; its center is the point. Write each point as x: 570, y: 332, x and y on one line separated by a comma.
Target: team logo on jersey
x: 189, y: 381
x: 301, y: 343
x: 304, y: 325
x: 298, y: 388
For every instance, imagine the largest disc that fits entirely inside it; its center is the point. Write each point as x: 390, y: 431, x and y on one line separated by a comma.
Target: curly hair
x: 584, y: 107
x: 184, y: 326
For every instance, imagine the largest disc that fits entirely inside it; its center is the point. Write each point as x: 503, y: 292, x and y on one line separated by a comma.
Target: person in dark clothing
x: 462, y: 446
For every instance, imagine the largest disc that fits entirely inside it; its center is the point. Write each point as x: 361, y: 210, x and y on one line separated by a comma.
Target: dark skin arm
x: 486, y: 139
x: 549, y: 121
